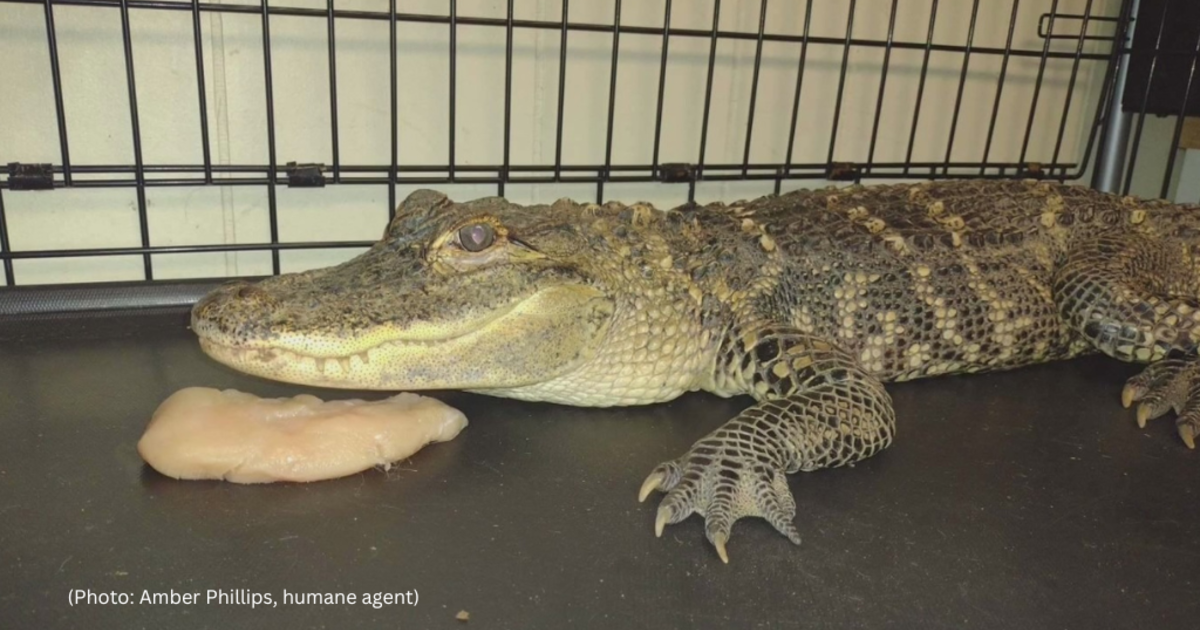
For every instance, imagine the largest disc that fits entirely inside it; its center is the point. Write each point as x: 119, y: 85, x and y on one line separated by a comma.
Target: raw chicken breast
x: 205, y: 433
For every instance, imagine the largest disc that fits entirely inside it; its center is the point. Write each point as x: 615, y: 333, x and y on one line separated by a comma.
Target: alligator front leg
x: 817, y: 408
x: 1135, y: 299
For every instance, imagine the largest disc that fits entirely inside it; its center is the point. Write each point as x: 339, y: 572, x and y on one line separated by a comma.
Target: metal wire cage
x: 1060, y: 131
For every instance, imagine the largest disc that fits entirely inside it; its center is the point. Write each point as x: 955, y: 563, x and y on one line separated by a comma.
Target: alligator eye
x: 476, y: 238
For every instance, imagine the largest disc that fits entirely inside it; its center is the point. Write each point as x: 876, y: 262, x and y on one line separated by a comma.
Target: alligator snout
x: 235, y: 295
x: 230, y: 308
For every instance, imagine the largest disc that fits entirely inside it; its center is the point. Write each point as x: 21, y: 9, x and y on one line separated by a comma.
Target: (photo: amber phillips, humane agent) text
x: 239, y: 597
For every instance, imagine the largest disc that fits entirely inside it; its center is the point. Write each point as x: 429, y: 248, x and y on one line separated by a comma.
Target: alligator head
x: 483, y: 296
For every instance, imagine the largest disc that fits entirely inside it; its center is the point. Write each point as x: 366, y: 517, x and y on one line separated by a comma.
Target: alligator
x: 808, y: 302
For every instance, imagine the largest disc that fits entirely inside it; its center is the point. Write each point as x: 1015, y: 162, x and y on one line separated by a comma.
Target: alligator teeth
x: 320, y: 364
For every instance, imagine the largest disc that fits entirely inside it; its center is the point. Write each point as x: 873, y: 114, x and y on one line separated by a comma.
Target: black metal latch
x: 305, y: 175
x: 1047, y: 21
x: 842, y: 172
x: 1031, y: 170
x: 30, y: 176
x: 676, y: 172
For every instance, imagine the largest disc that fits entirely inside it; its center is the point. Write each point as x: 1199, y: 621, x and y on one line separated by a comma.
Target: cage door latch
x: 843, y: 172
x: 1031, y: 170
x: 30, y: 176
x: 305, y: 175
x: 1047, y: 21
x: 676, y: 172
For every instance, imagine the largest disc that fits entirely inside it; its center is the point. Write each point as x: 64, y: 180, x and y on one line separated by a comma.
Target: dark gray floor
x: 1027, y: 499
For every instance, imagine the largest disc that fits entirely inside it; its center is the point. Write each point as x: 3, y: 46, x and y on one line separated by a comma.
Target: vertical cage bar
x: 787, y: 168
x: 139, y: 172
x: 1037, y: 87
x: 453, y: 79
x: 662, y: 84
x: 508, y: 100
x: 562, y: 91
x: 612, y: 101
x: 1062, y: 127
x: 1114, y: 137
x: 987, y: 146
x: 837, y: 107
x: 962, y: 84
x: 762, y: 27
x: 508, y: 61
x: 912, y: 135
x: 333, y: 100
x: 1101, y: 121
x: 272, y: 207
x: 1137, y: 134
x: 56, y: 78
x: 201, y: 92
x: 4, y: 245
x: 712, y: 59
x: 1173, y: 150
x: 395, y: 111
x: 887, y: 60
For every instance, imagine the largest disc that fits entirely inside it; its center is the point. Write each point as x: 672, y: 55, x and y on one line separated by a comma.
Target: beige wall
x: 99, y: 129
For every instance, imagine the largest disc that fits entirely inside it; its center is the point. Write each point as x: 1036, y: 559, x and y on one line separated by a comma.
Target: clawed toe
x: 652, y: 483
x: 1129, y: 394
x: 672, y: 510
x: 1165, y: 386
x: 664, y: 477
x: 718, y: 542
x: 1188, y: 433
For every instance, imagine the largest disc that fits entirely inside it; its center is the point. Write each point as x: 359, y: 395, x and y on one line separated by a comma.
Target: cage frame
x: 1108, y: 133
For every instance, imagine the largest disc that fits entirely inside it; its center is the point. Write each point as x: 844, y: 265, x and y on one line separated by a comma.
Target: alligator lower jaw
x: 372, y: 369
x: 350, y: 371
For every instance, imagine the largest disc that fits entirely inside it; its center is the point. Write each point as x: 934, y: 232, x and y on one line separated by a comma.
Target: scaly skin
x: 808, y: 302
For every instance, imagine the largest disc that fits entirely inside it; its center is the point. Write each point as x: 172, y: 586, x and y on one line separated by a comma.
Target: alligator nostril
x: 203, y: 304
x: 249, y: 291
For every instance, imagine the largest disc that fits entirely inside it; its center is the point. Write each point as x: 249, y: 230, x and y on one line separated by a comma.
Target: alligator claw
x: 1188, y: 433
x: 1128, y: 394
x: 652, y: 483
x: 660, y: 522
x: 1168, y: 385
x: 1143, y: 414
x: 720, y: 545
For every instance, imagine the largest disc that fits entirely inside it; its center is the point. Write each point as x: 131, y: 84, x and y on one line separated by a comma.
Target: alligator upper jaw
x: 527, y: 342
x: 335, y: 347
